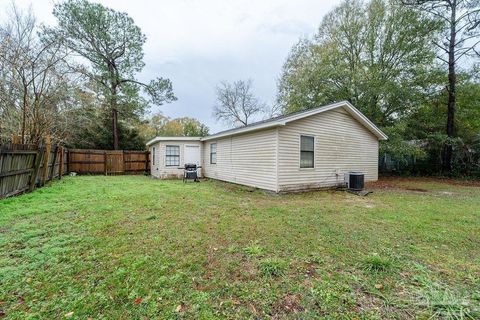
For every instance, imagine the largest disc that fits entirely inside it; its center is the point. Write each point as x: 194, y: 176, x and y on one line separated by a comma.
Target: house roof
x: 283, y: 120
x: 157, y: 139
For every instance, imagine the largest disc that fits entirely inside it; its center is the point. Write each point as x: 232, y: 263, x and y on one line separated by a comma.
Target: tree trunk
x: 452, y: 81
x: 113, y: 105
x: 115, y: 128
x: 24, y: 114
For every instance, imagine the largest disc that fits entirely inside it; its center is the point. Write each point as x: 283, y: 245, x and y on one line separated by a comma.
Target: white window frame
x: 211, y: 153
x: 300, y: 151
x: 169, y: 155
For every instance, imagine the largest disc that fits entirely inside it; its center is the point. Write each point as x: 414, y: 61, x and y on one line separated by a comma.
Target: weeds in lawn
x: 332, y: 296
x: 313, y: 258
x: 375, y: 263
x: 273, y: 267
x: 253, y: 250
x: 233, y: 249
x: 444, y: 303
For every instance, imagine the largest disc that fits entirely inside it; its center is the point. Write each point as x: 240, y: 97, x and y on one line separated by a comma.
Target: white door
x: 192, y: 155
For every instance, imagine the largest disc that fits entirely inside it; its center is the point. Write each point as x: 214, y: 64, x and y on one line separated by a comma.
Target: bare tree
x: 33, y: 82
x: 236, y: 103
x: 460, y: 37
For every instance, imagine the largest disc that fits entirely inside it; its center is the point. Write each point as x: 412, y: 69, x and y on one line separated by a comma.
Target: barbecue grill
x: 190, y: 172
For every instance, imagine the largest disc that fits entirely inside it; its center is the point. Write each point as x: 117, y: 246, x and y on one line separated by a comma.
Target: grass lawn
x: 131, y: 247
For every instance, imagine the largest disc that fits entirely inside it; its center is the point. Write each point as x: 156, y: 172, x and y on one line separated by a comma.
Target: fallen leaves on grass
x: 180, y: 308
x: 379, y: 286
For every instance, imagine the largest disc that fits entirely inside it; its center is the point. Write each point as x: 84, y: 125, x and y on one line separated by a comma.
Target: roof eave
x: 158, y: 139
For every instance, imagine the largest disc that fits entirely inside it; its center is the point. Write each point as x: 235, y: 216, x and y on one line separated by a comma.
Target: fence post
x: 60, y: 164
x: 105, y: 162
x: 52, y: 170
x: 68, y: 161
x: 48, y: 148
x: 36, y: 168
x: 123, y: 160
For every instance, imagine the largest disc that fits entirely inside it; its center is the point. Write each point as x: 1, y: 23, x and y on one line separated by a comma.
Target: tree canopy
x: 160, y: 125
x: 459, y: 37
x: 377, y: 55
x: 386, y: 57
x: 113, y: 46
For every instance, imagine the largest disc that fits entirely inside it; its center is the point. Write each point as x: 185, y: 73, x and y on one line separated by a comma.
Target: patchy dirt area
x: 291, y: 303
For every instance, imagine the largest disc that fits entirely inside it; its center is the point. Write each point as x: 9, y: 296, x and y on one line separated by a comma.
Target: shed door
x: 192, y: 154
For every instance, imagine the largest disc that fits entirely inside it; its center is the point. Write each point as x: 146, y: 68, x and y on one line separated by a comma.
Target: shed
x: 306, y: 150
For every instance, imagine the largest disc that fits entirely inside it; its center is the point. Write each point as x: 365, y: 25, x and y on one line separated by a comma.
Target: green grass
x: 375, y: 263
x: 137, y: 248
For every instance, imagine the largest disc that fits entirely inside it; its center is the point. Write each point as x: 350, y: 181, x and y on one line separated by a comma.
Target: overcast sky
x: 198, y: 43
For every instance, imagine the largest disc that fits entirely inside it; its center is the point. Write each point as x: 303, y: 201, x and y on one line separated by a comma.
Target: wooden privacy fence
x: 25, y: 167
x: 108, y: 162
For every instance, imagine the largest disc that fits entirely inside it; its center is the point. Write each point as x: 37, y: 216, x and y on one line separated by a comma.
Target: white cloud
x: 197, y: 43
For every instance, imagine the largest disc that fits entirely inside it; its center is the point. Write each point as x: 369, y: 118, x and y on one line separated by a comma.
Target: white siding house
x: 181, y: 150
x: 306, y: 150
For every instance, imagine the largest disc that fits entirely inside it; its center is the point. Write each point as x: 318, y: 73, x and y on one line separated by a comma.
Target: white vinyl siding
x: 248, y: 159
x: 342, y: 144
x: 160, y: 169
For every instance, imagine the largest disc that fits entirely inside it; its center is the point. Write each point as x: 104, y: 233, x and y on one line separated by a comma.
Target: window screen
x: 153, y: 156
x: 172, y: 156
x: 307, y: 157
x: 213, y: 153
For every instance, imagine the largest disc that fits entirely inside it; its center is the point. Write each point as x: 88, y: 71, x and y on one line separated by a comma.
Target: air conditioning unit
x: 355, y: 180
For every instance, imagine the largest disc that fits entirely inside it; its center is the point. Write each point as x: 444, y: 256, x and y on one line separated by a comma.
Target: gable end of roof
x: 283, y: 120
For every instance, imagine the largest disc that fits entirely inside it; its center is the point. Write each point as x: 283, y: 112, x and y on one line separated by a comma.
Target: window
x: 307, y: 157
x: 213, y: 153
x: 172, y: 156
x: 153, y: 156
